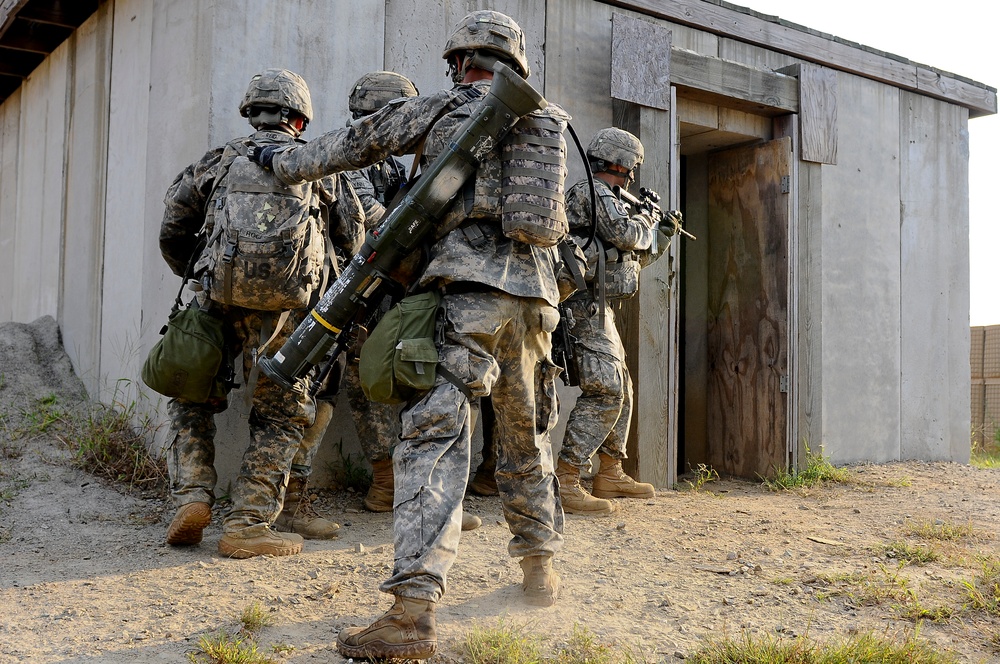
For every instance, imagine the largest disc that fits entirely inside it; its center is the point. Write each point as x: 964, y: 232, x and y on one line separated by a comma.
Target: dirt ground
x: 85, y: 575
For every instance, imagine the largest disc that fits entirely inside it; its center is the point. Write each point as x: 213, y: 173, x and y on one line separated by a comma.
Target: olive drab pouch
x: 189, y: 360
x: 533, y: 179
x: 399, y: 359
x: 266, y: 246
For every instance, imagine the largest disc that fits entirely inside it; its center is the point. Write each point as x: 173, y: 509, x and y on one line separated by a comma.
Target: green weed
x: 982, y: 593
x: 986, y: 452
x: 584, y: 648
x: 222, y: 647
x: 870, y: 588
x: 868, y: 647
x: 226, y: 647
x: 40, y: 419
x: 902, y: 551
x: 108, y: 443
x: 939, y: 530
x: 818, y: 471
x: 506, y: 643
x: 350, y: 473
x: 254, y: 618
x: 703, y: 474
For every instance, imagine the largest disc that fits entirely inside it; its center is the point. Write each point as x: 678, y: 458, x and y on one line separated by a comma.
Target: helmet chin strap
x: 459, y: 66
x: 279, y: 119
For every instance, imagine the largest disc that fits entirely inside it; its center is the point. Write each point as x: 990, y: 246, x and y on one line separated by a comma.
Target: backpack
x: 266, y: 246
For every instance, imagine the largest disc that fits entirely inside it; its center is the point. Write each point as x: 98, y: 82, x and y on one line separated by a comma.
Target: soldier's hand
x: 671, y: 222
x: 262, y: 154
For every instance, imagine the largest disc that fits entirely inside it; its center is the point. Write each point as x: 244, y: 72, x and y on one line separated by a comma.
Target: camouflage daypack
x: 266, y: 243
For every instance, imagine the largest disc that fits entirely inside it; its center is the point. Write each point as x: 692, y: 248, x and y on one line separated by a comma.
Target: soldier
x: 377, y: 424
x: 278, y: 106
x: 599, y: 422
x: 500, y: 298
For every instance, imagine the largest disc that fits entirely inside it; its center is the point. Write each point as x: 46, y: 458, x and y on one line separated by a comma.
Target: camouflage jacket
x: 617, y: 226
x: 187, y: 197
x: 397, y: 129
x: 373, y: 199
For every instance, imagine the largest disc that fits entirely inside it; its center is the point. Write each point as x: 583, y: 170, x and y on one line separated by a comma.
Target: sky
x: 958, y: 37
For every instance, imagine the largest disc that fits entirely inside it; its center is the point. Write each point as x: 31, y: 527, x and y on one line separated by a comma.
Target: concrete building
x: 825, y: 302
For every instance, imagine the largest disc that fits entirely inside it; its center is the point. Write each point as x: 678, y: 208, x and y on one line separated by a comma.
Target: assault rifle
x: 371, y: 270
x: 564, y: 347
x: 668, y: 222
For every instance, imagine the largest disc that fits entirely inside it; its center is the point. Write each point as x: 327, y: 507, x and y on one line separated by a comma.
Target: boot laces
x: 306, y: 509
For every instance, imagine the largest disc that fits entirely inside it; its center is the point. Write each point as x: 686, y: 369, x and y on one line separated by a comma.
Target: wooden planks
x: 820, y: 48
x: 748, y: 309
x: 640, y: 61
x: 818, y: 112
x: 738, y: 86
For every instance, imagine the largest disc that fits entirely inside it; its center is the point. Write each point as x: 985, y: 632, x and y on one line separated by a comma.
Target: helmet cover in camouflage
x: 616, y: 146
x: 376, y: 89
x: 493, y: 32
x: 278, y: 87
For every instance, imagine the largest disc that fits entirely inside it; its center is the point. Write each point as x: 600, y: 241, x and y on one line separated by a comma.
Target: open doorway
x: 734, y: 345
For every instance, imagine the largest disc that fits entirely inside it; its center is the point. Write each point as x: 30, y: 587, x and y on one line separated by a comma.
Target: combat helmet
x: 276, y: 89
x: 376, y: 89
x: 493, y: 32
x: 615, y: 146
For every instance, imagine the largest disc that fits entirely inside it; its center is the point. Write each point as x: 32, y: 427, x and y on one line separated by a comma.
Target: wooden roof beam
x: 19, y: 63
x: 24, y: 35
x: 63, y: 13
x: 745, y: 25
x: 733, y: 84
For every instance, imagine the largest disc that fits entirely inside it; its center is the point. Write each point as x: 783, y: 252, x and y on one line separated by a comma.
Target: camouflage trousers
x: 277, y: 419
x: 603, y: 412
x: 377, y: 425
x: 497, y: 344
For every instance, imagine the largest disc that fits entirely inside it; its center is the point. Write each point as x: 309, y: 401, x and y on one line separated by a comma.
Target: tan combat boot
x: 407, y: 630
x: 575, y: 499
x: 189, y: 522
x: 612, y: 482
x: 484, y: 482
x: 541, y: 583
x: 382, y: 490
x: 268, y: 543
x: 299, y: 516
x: 470, y: 521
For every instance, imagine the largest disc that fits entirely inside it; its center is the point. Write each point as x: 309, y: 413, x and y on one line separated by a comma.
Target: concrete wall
x: 93, y: 138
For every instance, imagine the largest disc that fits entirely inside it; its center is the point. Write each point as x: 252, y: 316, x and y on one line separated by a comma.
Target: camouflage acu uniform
x: 500, y: 298
x: 602, y: 414
x: 277, y: 418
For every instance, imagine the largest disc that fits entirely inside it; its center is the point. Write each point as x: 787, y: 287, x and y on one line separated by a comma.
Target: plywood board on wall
x: 416, y: 33
x: 578, y: 68
x: 10, y: 122
x: 934, y: 284
x: 86, y: 155
x: 42, y: 158
x: 859, y: 241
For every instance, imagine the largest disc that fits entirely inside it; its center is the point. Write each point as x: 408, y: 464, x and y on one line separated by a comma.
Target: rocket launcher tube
x: 510, y: 97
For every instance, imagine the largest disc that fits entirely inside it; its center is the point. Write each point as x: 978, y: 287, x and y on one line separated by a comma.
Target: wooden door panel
x: 748, y: 309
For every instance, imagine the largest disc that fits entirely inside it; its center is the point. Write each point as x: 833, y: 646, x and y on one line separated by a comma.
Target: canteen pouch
x: 399, y: 359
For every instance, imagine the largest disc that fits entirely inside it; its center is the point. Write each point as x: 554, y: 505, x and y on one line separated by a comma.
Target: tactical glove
x: 262, y: 154
x: 671, y: 222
